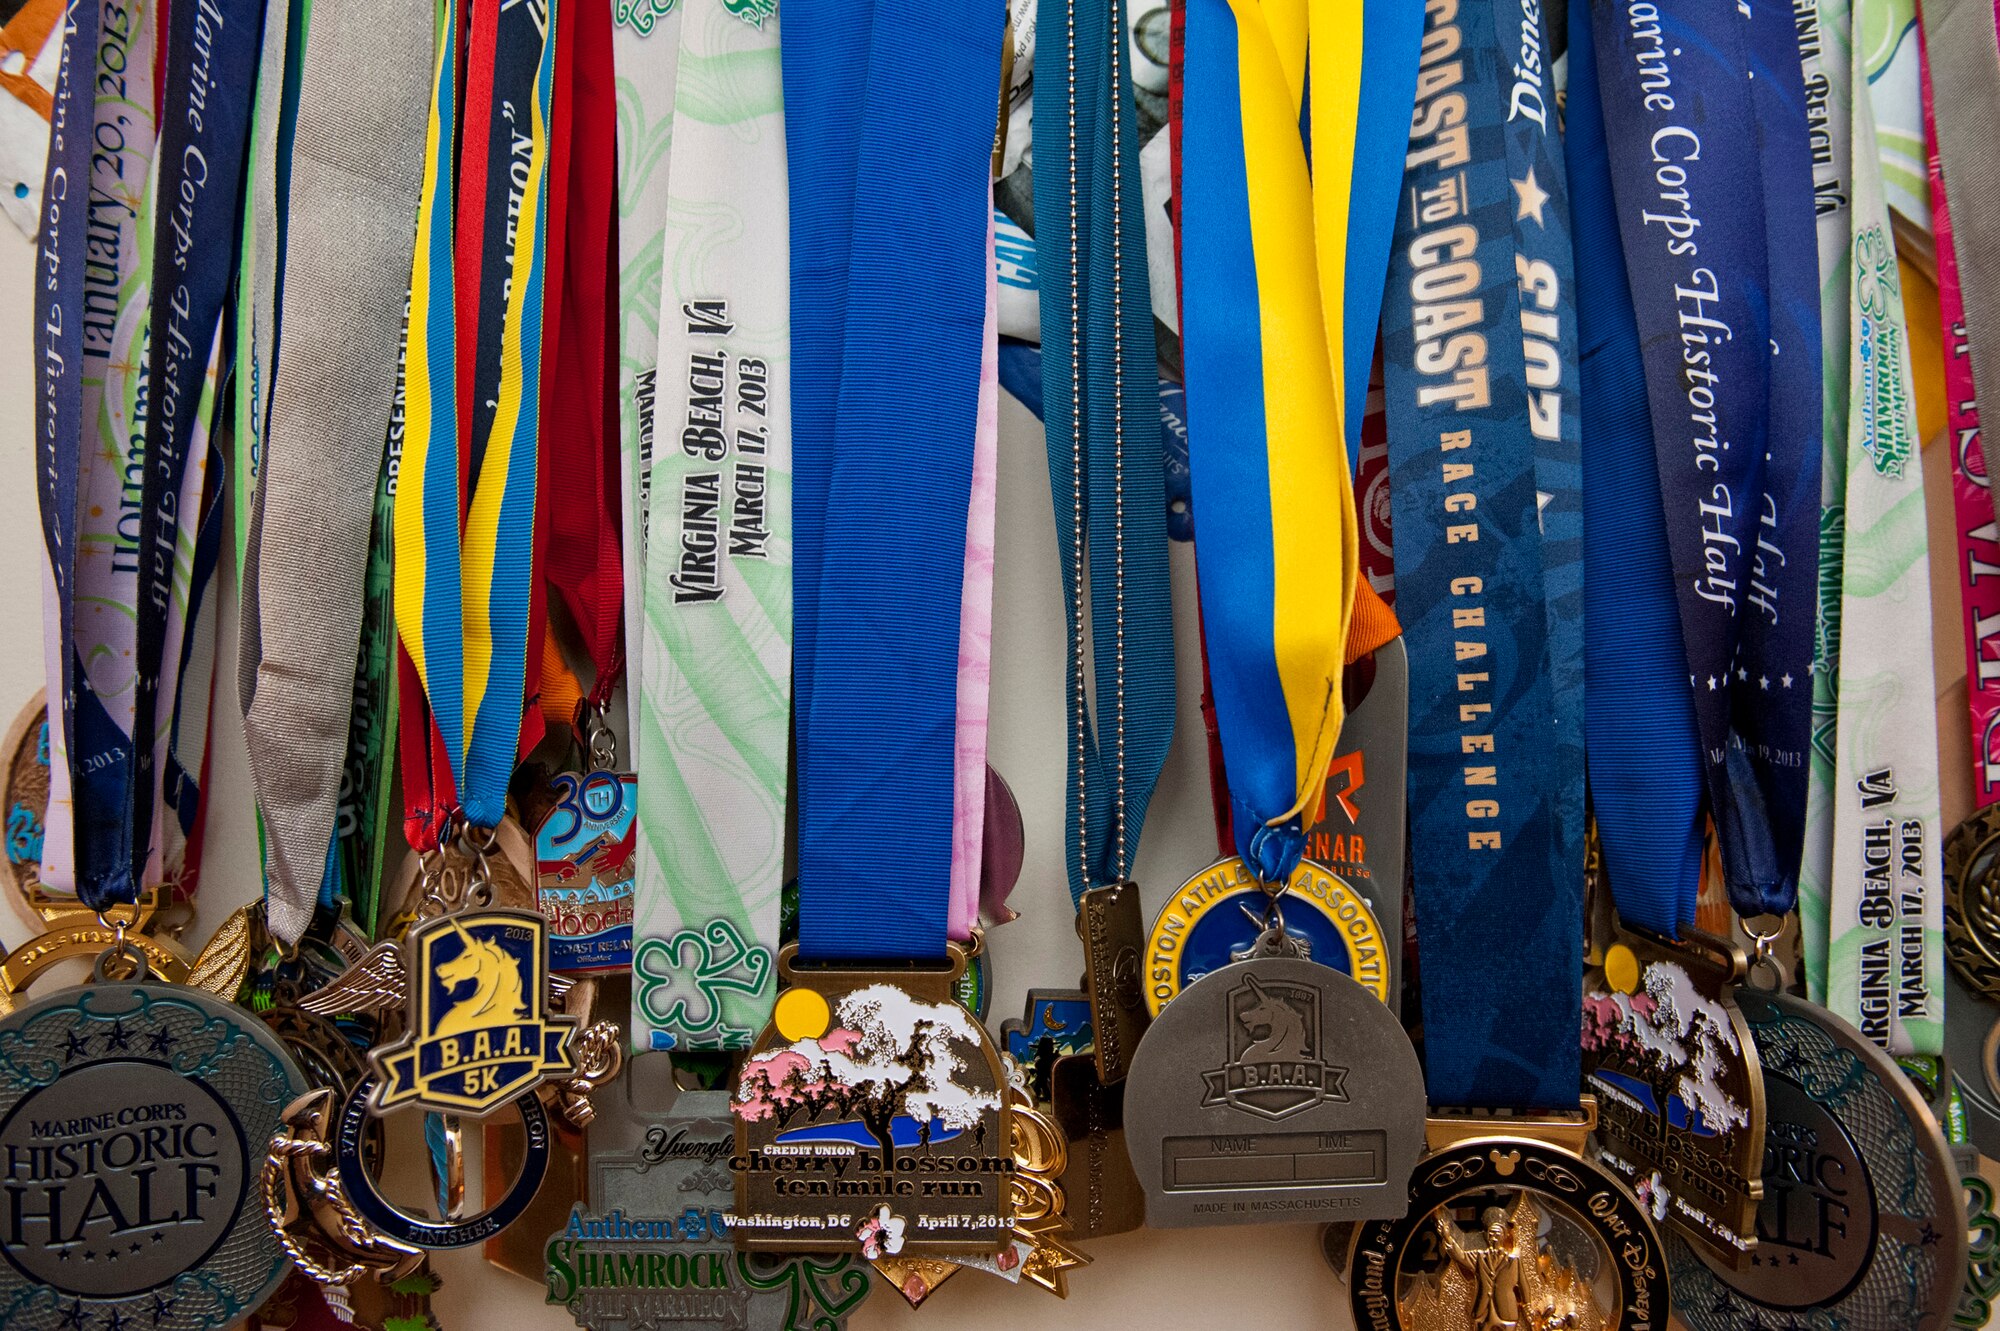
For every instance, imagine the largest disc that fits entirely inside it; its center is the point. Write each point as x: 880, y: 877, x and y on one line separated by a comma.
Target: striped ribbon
x: 1264, y: 367
x: 464, y: 562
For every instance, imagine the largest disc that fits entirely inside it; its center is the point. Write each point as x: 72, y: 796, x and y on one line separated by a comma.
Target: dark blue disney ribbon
x: 1712, y: 184
x: 1116, y: 381
x: 888, y: 381
x: 1645, y: 755
x: 1478, y: 431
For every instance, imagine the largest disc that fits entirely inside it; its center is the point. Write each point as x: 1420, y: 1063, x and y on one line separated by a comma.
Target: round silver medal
x: 134, y: 1119
x: 1860, y: 1223
x: 1274, y: 1089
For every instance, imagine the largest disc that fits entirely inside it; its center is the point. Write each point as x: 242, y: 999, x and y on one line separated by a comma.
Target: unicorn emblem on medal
x: 1276, y: 1066
x: 480, y: 1032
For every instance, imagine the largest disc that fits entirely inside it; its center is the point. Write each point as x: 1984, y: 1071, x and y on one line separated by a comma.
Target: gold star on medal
x: 1531, y: 198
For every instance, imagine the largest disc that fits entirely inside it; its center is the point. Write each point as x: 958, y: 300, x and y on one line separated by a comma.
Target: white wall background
x: 1166, y: 1280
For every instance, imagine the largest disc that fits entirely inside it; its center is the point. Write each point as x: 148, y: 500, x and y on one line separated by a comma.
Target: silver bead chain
x: 1118, y: 52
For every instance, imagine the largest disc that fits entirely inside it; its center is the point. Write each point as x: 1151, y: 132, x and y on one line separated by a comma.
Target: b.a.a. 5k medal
x: 1273, y: 1089
x: 1508, y: 1226
x: 871, y: 1118
x: 133, y: 1121
x: 1861, y: 1223
x: 1679, y: 1089
x: 652, y: 1247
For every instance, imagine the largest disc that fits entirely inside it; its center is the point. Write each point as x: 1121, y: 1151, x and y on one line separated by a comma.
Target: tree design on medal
x: 885, y: 1073
x: 1679, y: 1037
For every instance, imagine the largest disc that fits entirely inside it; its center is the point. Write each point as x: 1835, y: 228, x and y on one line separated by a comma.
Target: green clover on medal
x: 682, y: 980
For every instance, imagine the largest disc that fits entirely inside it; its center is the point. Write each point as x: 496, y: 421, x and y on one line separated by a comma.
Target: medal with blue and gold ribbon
x: 1281, y: 1031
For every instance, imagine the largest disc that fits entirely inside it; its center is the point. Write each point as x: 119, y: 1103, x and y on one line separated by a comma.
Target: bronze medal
x: 872, y: 1116
x: 1861, y: 1223
x: 1679, y: 1089
x: 1509, y: 1227
x: 1972, y: 900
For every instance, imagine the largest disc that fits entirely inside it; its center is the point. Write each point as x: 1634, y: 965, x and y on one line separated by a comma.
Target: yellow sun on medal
x: 802, y: 1014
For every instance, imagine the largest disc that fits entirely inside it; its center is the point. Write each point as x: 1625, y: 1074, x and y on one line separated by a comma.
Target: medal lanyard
x: 313, y: 656
x: 463, y: 566
x: 1644, y: 751
x: 711, y: 707
x: 889, y: 130
x: 1265, y: 444
x: 1097, y: 340
x: 1715, y: 229
x: 584, y: 541
x: 1971, y: 493
x: 1478, y: 354
x: 212, y: 53
x: 1873, y: 938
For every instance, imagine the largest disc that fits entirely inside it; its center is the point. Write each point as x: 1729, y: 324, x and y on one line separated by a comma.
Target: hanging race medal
x: 1218, y: 915
x: 1860, y: 1223
x: 132, y: 1128
x: 1679, y: 1089
x: 653, y: 1245
x: 583, y: 856
x: 25, y: 798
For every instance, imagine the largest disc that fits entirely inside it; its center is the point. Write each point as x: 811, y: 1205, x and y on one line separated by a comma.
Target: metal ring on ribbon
x: 383, y: 1216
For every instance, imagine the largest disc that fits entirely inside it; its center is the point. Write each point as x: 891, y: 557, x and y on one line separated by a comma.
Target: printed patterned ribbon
x: 1479, y: 352
x: 1644, y: 751
x: 714, y: 703
x: 1873, y: 929
x: 463, y: 569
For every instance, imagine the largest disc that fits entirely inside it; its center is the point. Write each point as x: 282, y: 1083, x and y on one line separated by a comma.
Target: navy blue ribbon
x: 99, y: 753
x: 212, y: 51
x: 1478, y: 430
x: 1145, y: 638
x: 1645, y: 755
x: 889, y: 130
x: 1713, y: 189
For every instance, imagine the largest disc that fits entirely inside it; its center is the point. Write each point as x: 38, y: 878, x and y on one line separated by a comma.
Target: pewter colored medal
x: 653, y: 1248
x: 1274, y: 1089
x: 1861, y: 1224
x: 133, y: 1119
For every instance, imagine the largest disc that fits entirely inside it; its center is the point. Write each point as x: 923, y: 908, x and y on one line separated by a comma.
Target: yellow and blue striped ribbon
x: 462, y: 583
x: 1266, y: 268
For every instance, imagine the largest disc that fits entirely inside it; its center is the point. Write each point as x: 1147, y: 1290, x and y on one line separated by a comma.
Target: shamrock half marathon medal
x: 131, y: 1117
x: 1860, y: 1223
x: 653, y: 1246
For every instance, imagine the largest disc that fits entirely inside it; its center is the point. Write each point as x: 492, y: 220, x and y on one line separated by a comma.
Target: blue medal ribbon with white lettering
x: 98, y: 793
x: 889, y: 132
x: 1644, y: 752
x: 1478, y: 353
x: 212, y: 48
x: 1712, y: 186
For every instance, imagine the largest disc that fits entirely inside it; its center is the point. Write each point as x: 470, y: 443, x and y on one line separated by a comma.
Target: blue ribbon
x: 893, y: 111
x: 1476, y: 430
x: 1645, y: 755
x: 1146, y: 672
x: 99, y: 753
x: 204, y: 130
x: 1713, y: 191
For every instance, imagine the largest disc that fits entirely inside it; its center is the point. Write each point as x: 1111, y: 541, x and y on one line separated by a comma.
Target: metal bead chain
x: 1079, y: 720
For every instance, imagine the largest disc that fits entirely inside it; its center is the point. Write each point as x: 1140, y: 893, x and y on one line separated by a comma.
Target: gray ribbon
x: 357, y: 167
x: 1964, y: 54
